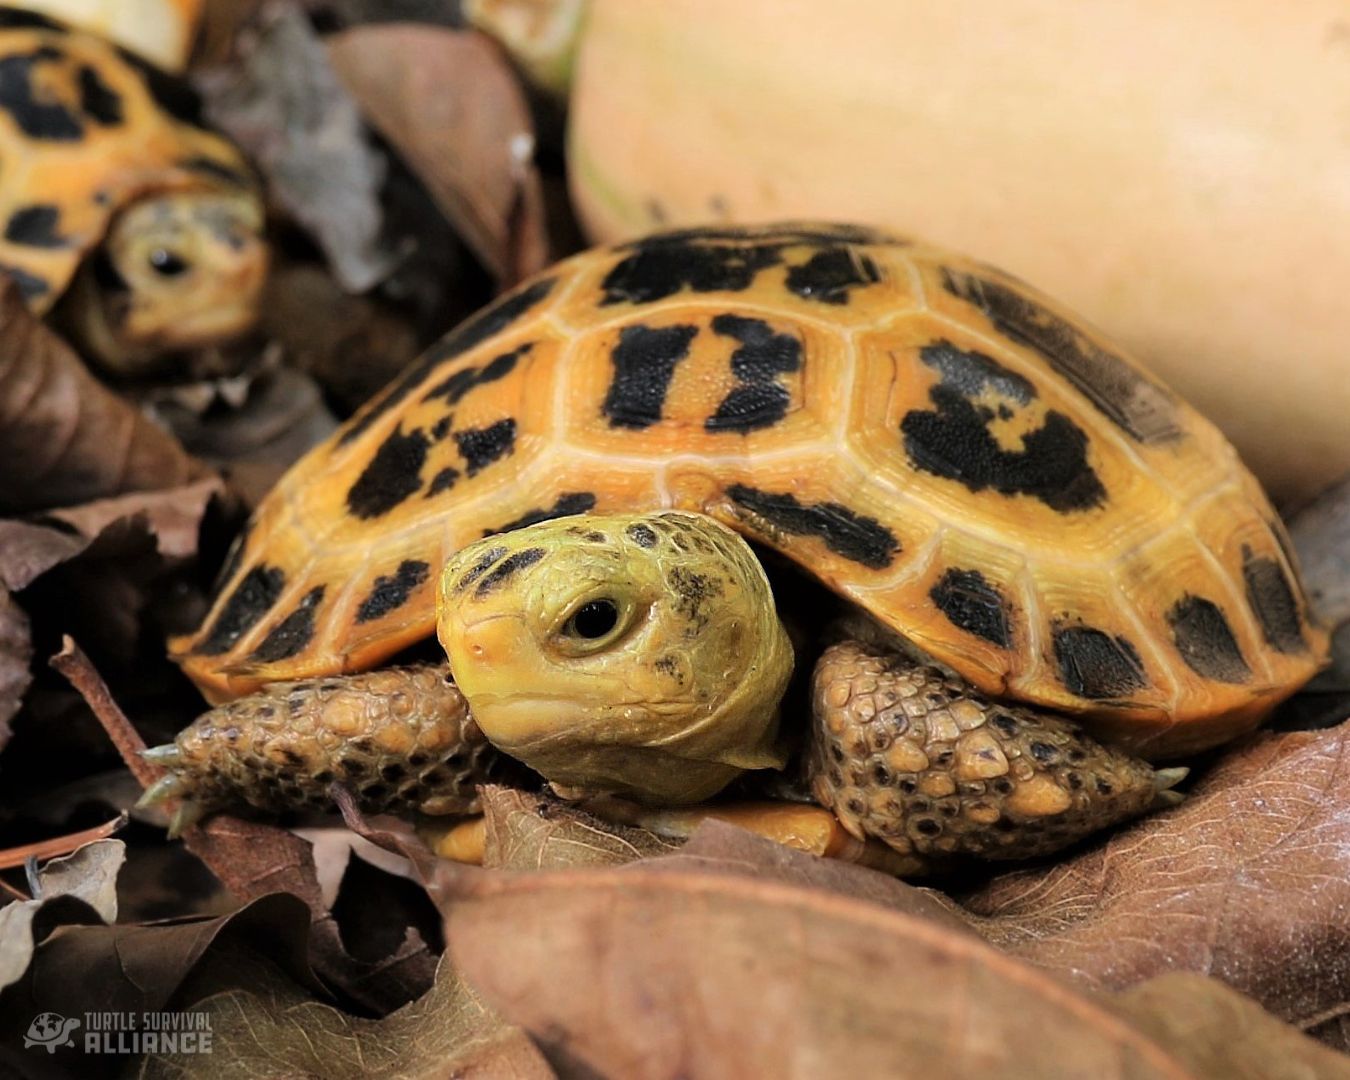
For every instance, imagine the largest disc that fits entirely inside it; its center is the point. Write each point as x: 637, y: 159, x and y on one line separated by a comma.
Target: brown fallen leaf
x: 755, y: 977
x: 65, y: 438
x: 449, y: 103
x: 284, y: 106
x: 82, y: 970
x: 528, y: 831
x: 1248, y: 880
x: 269, y: 1026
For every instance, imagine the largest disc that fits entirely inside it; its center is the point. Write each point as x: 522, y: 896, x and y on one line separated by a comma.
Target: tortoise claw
x: 161, y: 791
x: 166, y: 754
x: 189, y: 812
x: 1166, y: 779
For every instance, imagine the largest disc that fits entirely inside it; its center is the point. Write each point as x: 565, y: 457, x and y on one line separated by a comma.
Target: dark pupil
x: 167, y: 263
x: 595, y: 619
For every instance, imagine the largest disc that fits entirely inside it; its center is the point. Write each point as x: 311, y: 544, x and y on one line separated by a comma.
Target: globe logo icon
x: 51, y: 1030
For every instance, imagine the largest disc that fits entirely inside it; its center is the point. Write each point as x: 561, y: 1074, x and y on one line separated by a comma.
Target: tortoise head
x: 638, y: 655
x: 176, y: 271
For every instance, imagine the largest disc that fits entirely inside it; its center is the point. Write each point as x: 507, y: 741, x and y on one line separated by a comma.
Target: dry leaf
x: 275, y: 1028
x: 64, y: 437
x: 638, y: 972
x: 527, y: 831
x: 284, y: 106
x: 137, y: 969
x: 1248, y: 881
x: 88, y: 875
x: 449, y: 104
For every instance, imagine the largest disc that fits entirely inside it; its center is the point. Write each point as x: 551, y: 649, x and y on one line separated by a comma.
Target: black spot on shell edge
x: 36, y: 226
x: 1203, y: 637
x: 971, y: 602
x: 1096, y: 665
x: 293, y: 633
x: 1272, y: 600
x: 856, y: 537
x: 391, y: 591
x: 566, y: 504
x: 251, y: 599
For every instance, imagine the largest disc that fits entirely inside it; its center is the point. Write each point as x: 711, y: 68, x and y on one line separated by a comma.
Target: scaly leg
x: 917, y: 758
x: 400, y: 739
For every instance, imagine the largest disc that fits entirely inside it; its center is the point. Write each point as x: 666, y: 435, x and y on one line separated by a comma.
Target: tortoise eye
x: 594, y: 619
x: 167, y: 263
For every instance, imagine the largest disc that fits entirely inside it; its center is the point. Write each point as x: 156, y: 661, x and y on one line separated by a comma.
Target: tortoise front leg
x: 918, y: 759
x: 400, y: 739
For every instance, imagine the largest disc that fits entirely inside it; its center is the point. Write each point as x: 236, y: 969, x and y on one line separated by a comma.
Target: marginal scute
x: 855, y: 536
x: 1206, y: 641
x: 292, y: 633
x: 251, y: 599
x: 566, y: 504
x: 1272, y: 600
x: 971, y: 601
x: 1129, y: 399
x: 390, y: 592
x: 1096, y: 665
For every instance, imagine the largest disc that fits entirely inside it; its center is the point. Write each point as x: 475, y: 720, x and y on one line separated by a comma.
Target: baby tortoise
x: 1066, y: 571
x: 137, y: 229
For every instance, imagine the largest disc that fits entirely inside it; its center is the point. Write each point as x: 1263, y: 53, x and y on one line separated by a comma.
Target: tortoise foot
x: 400, y: 739
x: 919, y: 759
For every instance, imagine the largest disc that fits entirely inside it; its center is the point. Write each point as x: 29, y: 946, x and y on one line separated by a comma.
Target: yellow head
x: 176, y: 271
x: 631, y: 654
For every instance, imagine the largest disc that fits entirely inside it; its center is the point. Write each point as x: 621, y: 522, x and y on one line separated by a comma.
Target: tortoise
x: 1052, y: 571
x: 136, y: 228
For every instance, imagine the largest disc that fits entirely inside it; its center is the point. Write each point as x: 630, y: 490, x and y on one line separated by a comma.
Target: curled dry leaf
x: 449, y: 103
x: 88, y: 875
x: 297, y: 123
x: 64, y: 437
x: 756, y: 977
x: 1248, y: 881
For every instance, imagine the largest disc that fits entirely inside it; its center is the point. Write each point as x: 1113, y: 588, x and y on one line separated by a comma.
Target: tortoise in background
x: 135, y: 227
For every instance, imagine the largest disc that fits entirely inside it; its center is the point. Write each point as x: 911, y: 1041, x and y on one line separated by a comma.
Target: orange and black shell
x: 86, y: 128
x: 929, y: 437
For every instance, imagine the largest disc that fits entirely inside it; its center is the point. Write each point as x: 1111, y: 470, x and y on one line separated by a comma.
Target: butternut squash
x: 1179, y: 173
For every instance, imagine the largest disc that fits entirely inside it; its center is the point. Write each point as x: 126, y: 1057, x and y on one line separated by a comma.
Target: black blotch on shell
x: 291, y: 634
x: 855, y: 536
x: 1272, y: 600
x: 393, y: 473
x: 567, y: 504
x: 760, y: 400
x: 973, y: 603
x: 1095, y: 665
x: 36, y: 226
x: 1205, y: 640
x: 251, y: 599
x: 644, y: 364
x: 831, y: 274
x: 1125, y: 396
x: 391, y: 591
